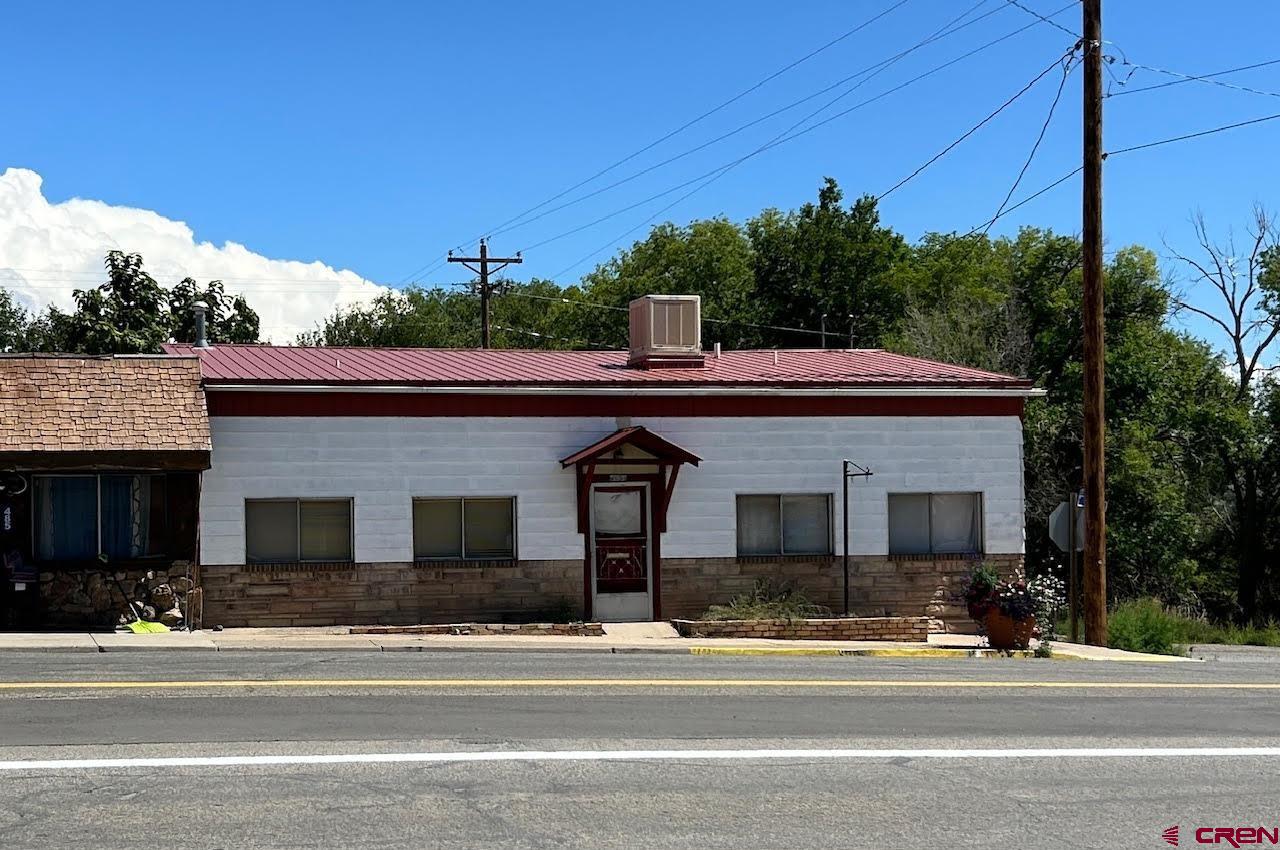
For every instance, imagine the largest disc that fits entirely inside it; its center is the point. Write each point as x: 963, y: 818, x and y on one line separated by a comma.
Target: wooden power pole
x: 1095, y: 505
x: 485, y: 289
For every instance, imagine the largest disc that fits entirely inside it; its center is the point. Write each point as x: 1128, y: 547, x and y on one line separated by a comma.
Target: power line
x: 1199, y: 78
x: 690, y: 123
x: 708, y: 113
x: 1116, y: 152
x: 540, y: 335
x: 1055, y: 184
x: 716, y: 174
x: 597, y: 306
x: 1195, y: 135
x: 986, y: 225
x: 1042, y: 18
x: 711, y: 176
x: 615, y: 240
x: 53, y: 282
x: 1044, y: 128
x: 882, y: 65
x: 976, y: 127
x: 790, y: 136
x: 92, y: 278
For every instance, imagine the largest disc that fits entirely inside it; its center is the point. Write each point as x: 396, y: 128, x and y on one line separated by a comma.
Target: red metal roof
x: 267, y: 364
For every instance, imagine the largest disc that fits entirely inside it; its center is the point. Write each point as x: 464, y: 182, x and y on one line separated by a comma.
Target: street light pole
x: 849, y: 469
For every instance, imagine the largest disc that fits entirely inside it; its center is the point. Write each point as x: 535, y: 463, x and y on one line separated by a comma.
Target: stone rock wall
x: 90, y: 598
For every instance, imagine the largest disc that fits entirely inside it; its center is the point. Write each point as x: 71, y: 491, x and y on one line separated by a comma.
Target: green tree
x: 13, y: 323
x: 1013, y: 305
x: 711, y: 258
x: 1237, y: 290
x: 827, y: 260
x: 128, y: 314
x: 414, y: 317
x: 229, y: 319
x: 522, y: 315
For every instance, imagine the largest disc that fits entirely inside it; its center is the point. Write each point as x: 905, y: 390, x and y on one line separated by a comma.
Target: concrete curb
x: 328, y: 643
x: 923, y: 652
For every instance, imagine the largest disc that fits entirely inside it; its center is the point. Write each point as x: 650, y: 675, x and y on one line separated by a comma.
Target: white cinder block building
x: 415, y: 485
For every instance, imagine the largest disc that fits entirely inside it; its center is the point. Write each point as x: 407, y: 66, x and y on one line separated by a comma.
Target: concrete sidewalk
x: 640, y: 638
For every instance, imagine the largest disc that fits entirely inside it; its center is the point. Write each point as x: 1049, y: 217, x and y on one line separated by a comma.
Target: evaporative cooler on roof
x: 666, y: 331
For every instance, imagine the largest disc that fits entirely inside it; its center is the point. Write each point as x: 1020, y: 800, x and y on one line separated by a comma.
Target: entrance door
x: 621, y: 578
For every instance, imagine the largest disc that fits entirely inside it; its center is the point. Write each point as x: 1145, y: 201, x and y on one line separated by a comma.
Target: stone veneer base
x: 551, y: 591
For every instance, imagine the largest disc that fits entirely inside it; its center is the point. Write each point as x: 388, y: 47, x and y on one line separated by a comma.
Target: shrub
x: 768, y: 600
x: 1143, y: 625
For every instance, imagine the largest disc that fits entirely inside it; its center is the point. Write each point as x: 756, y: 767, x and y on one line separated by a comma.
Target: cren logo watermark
x: 1232, y: 836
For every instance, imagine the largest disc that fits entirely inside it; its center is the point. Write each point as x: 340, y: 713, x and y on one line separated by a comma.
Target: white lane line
x: 636, y: 755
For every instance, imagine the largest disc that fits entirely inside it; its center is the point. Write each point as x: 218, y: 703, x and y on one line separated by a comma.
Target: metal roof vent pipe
x: 201, y: 312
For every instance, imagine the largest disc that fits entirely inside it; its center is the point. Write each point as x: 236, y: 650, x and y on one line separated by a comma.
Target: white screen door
x: 622, y: 582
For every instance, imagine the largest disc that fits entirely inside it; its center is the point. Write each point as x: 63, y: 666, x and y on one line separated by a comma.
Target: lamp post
x: 849, y: 469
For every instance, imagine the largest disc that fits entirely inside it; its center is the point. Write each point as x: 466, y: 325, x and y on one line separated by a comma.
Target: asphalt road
x: 343, y: 750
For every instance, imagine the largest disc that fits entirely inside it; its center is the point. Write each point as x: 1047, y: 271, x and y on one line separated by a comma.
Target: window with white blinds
x: 480, y: 529
x: 784, y: 524
x: 935, y: 523
x: 297, y: 530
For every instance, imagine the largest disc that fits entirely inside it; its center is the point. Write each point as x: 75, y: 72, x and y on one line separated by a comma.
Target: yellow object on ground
x: 142, y: 627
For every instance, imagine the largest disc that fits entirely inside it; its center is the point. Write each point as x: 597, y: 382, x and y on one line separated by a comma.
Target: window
x: 293, y: 530
x: 78, y: 517
x: 784, y: 525
x: 935, y: 523
x: 464, y: 529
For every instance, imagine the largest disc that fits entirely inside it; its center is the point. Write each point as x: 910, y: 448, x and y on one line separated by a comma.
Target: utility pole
x: 1095, y: 504
x: 485, y: 290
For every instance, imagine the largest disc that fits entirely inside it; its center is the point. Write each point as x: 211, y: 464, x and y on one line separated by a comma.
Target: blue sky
x: 375, y: 136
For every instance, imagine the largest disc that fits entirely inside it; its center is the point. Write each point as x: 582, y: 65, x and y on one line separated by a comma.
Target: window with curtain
x: 122, y: 516
x: 935, y: 523
x: 479, y: 529
x: 297, y: 530
x: 784, y: 524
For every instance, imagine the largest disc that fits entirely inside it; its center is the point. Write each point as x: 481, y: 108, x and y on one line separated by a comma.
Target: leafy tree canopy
x: 130, y: 313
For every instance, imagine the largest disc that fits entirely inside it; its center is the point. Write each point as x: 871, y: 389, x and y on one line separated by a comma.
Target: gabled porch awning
x: 632, y: 453
x: 638, y: 437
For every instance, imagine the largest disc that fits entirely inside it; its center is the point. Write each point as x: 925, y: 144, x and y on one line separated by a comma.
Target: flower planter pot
x: 1004, y: 632
x: 978, y: 611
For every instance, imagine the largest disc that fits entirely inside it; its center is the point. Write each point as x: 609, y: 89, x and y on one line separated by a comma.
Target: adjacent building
x: 100, y: 463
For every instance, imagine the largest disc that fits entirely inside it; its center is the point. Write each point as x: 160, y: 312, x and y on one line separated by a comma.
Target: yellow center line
x: 832, y: 684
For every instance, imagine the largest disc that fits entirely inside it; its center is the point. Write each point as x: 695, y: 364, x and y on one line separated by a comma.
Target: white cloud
x: 47, y: 250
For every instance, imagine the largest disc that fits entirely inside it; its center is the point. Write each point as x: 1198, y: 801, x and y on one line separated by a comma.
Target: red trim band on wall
x: 231, y: 403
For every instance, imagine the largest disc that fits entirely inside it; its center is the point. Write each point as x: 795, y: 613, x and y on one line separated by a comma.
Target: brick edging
x: 914, y: 629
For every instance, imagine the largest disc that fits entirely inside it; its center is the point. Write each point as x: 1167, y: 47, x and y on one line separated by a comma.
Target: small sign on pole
x: 1066, y: 530
x: 1060, y: 531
